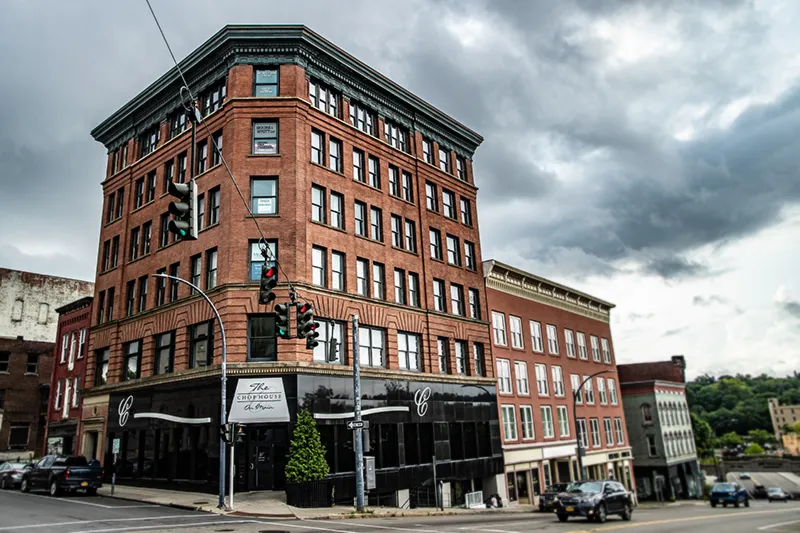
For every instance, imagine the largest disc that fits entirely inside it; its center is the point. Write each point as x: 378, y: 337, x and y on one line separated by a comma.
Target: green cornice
x: 284, y: 44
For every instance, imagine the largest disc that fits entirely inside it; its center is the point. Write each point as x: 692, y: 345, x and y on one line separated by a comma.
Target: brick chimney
x: 680, y: 362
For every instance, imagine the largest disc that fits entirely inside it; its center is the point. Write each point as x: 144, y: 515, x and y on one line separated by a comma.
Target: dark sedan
x: 11, y: 474
x: 595, y: 500
x: 777, y: 494
x: 548, y: 501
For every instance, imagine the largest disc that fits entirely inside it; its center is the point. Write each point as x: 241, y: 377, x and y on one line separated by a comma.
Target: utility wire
x: 192, y: 108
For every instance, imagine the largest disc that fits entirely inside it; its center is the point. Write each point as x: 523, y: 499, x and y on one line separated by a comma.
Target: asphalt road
x: 767, y: 479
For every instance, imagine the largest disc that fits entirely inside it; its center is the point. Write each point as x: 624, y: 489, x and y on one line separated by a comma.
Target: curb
x: 355, y: 516
x: 172, y: 505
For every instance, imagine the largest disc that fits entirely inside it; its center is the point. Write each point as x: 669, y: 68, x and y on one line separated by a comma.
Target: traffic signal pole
x: 359, y: 445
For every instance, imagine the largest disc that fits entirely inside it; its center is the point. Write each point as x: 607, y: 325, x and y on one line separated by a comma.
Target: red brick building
x: 366, y: 196
x: 547, y: 339
x: 69, y: 369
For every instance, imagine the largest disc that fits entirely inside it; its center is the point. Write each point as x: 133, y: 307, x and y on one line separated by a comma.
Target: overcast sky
x: 645, y: 152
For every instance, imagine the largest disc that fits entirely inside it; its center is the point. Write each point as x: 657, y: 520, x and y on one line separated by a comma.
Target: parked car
x: 777, y: 494
x: 595, y: 500
x: 548, y: 501
x: 57, y: 472
x: 11, y: 474
x: 744, y: 475
x: 729, y: 493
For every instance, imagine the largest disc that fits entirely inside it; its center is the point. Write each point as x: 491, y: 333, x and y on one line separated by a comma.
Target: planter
x: 308, y: 494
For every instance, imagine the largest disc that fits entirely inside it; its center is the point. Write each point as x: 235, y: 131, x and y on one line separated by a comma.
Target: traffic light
x: 269, y: 278
x: 225, y: 433
x: 306, y: 326
x: 282, y: 320
x: 184, y: 210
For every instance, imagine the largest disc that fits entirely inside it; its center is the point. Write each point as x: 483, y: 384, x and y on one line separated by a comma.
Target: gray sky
x: 645, y: 152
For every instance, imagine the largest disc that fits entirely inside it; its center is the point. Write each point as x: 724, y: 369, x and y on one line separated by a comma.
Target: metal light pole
x: 224, y: 379
x: 714, y: 451
x: 575, y: 394
x: 359, y: 445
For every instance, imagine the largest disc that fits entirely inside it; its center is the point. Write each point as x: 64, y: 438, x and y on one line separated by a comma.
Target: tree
x: 306, y: 452
x: 792, y: 428
x: 731, y: 440
x: 754, y: 449
x: 761, y: 436
x: 702, y: 435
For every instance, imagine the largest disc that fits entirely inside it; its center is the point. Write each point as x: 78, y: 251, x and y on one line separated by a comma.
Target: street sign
x: 115, y: 446
x: 361, y: 424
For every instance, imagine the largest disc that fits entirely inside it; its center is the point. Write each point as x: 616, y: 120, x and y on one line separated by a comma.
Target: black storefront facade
x: 678, y: 480
x: 169, y: 435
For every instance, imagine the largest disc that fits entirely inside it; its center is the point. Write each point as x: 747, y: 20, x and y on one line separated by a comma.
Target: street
x: 787, y: 482
x: 77, y: 514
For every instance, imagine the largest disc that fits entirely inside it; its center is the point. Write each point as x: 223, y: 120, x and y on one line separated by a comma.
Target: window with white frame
x: 651, y: 446
x: 331, y: 342
x: 587, y: 387
x: 558, y: 380
x: 609, y: 431
x: 595, y: 349
x: 569, y: 341
x: 595, y: 426
x: 57, y: 403
x: 64, y: 344
x: 509, y: 422
x: 499, y: 328
x: 547, y: 422
x: 575, y: 380
x: 606, y: 350
x: 552, y: 339
x: 620, y: 433
x: 647, y: 414
x: 542, y: 385
x: 504, y: 376
x: 612, y: 391
x: 75, y: 391
x: 521, y: 372
x: 582, y: 433
x: 515, y: 324
x: 370, y: 342
x: 536, y: 336
x: 563, y: 420
x: 601, y: 391
x: 582, y: 346
x: 526, y: 418
x: 408, y: 351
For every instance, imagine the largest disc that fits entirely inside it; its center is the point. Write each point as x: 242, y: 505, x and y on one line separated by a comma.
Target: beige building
x: 782, y: 415
x: 791, y: 444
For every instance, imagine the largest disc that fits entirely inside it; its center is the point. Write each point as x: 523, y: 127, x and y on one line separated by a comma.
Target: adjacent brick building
x: 548, y: 339
x: 366, y: 196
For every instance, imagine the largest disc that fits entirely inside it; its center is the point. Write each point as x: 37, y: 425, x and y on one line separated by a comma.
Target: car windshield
x: 590, y: 486
x: 558, y: 487
x: 775, y: 491
x: 722, y: 486
x: 16, y: 466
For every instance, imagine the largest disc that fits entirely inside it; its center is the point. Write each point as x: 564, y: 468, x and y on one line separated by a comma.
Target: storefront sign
x: 124, y: 409
x: 421, y: 398
x: 260, y: 400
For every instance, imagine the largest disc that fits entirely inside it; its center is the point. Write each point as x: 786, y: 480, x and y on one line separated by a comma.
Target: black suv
x: 595, y: 500
x: 548, y: 501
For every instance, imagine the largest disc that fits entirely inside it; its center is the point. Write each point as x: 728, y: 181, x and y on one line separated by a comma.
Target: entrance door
x: 268, y: 449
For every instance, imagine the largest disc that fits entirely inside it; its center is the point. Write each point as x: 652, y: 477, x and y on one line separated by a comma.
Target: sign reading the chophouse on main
x: 259, y: 400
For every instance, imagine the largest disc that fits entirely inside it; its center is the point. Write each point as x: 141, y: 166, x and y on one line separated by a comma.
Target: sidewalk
x: 273, y: 505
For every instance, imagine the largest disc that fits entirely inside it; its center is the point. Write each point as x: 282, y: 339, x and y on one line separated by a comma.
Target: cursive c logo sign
x: 421, y: 398
x: 124, y: 410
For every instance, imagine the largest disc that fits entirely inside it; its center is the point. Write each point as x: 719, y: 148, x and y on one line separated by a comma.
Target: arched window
x: 647, y: 416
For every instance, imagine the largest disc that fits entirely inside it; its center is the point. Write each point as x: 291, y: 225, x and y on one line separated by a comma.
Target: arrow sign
x: 360, y: 424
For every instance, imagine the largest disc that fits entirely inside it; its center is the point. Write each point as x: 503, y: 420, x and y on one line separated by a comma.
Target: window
x: 5, y: 359
x: 109, y: 208
x: 542, y: 385
x: 397, y: 231
x: 509, y: 422
x: 552, y: 339
x: 335, y: 155
x: 265, y: 137
x: 469, y: 256
x: 211, y: 269
x: 130, y: 298
x: 474, y: 304
x: 213, y: 206
x: 647, y: 414
x: 436, y: 243
x: 114, y: 251
x: 161, y: 288
x: 563, y: 420
x: 331, y: 342
x: 395, y: 135
x: 461, y: 357
x: 595, y: 425
x: 164, y: 236
x: 408, y: 351
x: 147, y: 233
x: 526, y: 417
x: 138, y: 195
x: 362, y: 118
x: 82, y: 343
x: 174, y: 270
x: 201, y: 345
x: 582, y: 433
x: 266, y: 82
x: 499, y: 328
x: 609, y: 431
x: 202, y: 157
x: 264, y: 196
x: 362, y: 277
x: 376, y: 224
x: 394, y: 185
x: 408, y: 190
x: 360, y: 211
x: 411, y: 236
x: 216, y: 144
x: 399, y: 286
x: 601, y: 391
x: 120, y: 202
x: 165, y: 352
x: 213, y: 97
x: 370, y: 344
x: 651, y: 446
x: 57, y: 401
x: 32, y: 366
x: 536, y: 336
x: 109, y: 304
x: 182, y: 167
x: 521, y: 373
x: 461, y: 168
x: 466, y: 212
x: 196, y: 269
x: 262, y: 344
x: 438, y: 296
x: 72, y: 346
x: 444, y: 159
x: 148, y: 141
x: 582, y: 346
x: 589, y: 390
x: 358, y: 166
x: 443, y: 355
x: 142, y: 294
x: 504, y: 376
x: 378, y: 278
x: 169, y: 174
x: 449, y: 203
x: 427, y: 151
x: 457, y: 299
x: 319, y: 274
x: 317, y: 148
x: 150, y: 193
x: 595, y: 349
x: 606, y: 351
x: 547, y: 422
x: 133, y: 360
x: 558, y: 380
x: 317, y: 204
x: 257, y: 257
x: 101, y: 375
x: 374, y: 172
x: 431, y: 199
x: 338, y: 271
x: 477, y: 353
x: 337, y: 210
x: 18, y: 436
x: 569, y: 340
x: 515, y: 324
x: 106, y: 255
x: 453, y: 253
x: 75, y: 391
x: 323, y: 98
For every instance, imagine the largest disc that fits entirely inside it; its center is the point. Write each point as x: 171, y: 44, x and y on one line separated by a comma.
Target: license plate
x: 85, y: 484
x: 570, y: 509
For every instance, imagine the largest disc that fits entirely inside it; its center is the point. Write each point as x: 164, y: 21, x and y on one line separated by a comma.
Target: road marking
x: 79, y: 522
x: 677, y: 520
x: 143, y: 528
x: 50, y: 498
x: 393, y: 528
x: 764, y: 528
x: 292, y: 524
x: 489, y: 530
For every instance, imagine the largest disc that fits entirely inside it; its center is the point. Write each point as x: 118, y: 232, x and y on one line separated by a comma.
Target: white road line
x: 79, y: 522
x: 292, y: 524
x: 393, y: 528
x: 82, y: 502
x: 144, y: 528
x: 489, y: 530
x: 764, y: 528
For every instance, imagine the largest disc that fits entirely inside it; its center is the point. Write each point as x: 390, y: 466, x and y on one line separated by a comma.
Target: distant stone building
x: 782, y: 415
x: 791, y: 444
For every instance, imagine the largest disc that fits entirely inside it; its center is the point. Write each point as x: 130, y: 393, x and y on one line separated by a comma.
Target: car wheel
x: 54, y: 490
x: 92, y: 491
x: 25, y: 485
x: 562, y: 517
x: 3, y: 484
x: 725, y: 505
x: 600, y: 515
x: 627, y: 513
x: 713, y: 504
x: 747, y: 502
